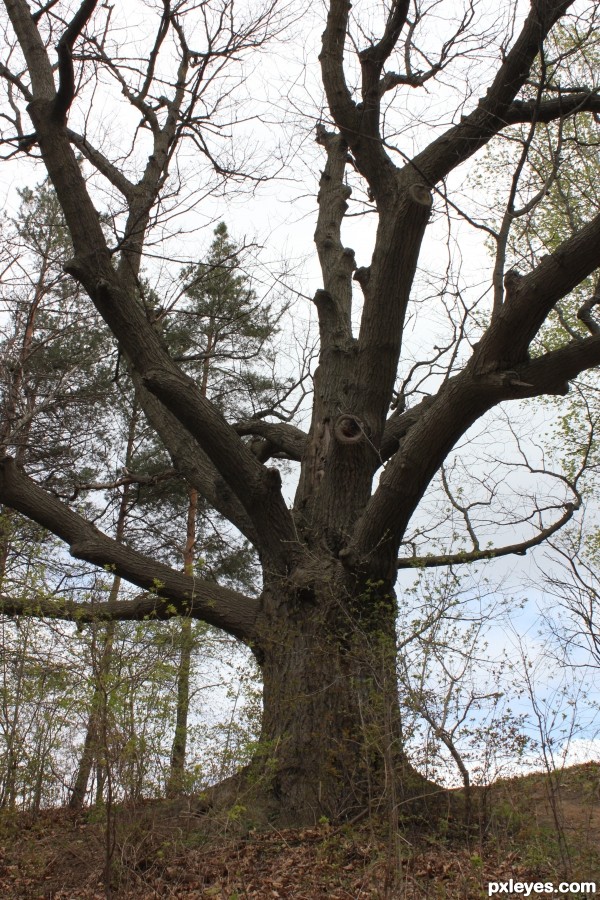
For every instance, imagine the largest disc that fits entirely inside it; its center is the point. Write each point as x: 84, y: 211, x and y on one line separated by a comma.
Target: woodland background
x: 499, y: 636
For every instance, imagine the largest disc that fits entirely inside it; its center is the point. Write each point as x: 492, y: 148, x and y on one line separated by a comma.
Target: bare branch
x: 283, y: 437
x: 139, y: 478
x: 581, y: 100
x: 461, y: 141
x: 192, y: 463
x: 38, y: 64
x: 16, y: 81
x: 102, y: 164
x: 397, y: 426
x: 533, y: 296
x: 552, y: 372
x: 359, y: 126
x: 584, y: 313
x: 334, y: 302
x: 186, y: 595
x: 470, y: 556
x: 43, y: 10
x: 66, y: 86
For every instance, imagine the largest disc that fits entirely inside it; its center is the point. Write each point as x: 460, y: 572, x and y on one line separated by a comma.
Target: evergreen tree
x: 220, y: 334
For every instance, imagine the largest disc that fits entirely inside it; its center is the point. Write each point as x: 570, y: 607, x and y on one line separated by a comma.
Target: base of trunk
x: 249, y: 800
x: 331, y: 745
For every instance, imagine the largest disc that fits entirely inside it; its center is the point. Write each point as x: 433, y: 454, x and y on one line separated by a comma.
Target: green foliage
x: 38, y: 702
x: 558, y: 184
x: 558, y: 191
x: 55, y: 375
x: 457, y: 722
x: 223, y: 334
x: 70, y: 413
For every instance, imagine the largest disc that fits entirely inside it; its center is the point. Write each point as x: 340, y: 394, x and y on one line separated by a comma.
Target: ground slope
x: 534, y: 828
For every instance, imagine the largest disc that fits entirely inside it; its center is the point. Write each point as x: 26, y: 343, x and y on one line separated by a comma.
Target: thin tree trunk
x: 93, y: 731
x: 175, y: 784
x: 93, y: 736
x: 8, y: 793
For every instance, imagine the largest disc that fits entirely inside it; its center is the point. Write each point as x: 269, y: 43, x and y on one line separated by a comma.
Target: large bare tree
x: 323, y: 627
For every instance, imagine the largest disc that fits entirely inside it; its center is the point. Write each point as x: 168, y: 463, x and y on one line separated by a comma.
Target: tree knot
x: 349, y: 430
x: 421, y: 194
x: 362, y: 275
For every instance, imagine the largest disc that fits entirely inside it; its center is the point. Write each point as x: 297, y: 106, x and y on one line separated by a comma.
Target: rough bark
x: 331, y: 742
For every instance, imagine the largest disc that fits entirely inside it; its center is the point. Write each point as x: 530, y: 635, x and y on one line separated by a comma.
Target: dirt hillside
x: 529, y: 829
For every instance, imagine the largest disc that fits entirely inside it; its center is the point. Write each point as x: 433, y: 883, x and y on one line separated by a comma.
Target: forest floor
x: 531, y: 829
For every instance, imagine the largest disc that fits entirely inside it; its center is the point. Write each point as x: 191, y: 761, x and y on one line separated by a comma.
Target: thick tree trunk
x: 332, y: 739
